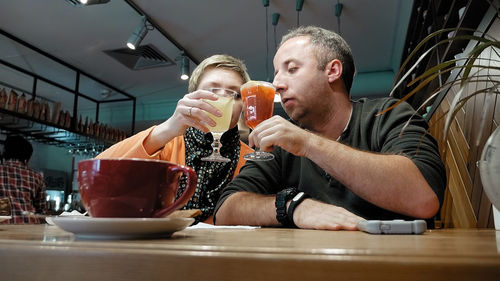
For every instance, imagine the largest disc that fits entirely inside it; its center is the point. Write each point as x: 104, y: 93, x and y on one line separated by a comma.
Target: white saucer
x: 3, y: 218
x: 121, y: 228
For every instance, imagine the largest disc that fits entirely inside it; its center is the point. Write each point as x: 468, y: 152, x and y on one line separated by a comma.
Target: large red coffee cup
x: 133, y: 188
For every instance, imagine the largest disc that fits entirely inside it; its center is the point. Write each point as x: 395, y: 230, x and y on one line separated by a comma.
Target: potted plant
x: 445, y: 102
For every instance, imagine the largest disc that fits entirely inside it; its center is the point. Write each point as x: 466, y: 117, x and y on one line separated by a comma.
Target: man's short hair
x: 17, y: 148
x: 330, y: 46
x: 223, y: 61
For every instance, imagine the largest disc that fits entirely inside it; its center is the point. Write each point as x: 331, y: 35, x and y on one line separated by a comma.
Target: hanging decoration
x: 276, y: 18
x: 298, y: 8
x: 338, y: 12
x: 266, y: 5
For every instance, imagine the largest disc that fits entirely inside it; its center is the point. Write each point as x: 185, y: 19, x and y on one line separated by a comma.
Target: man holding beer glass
x: 337, y: 160
x: 184, y: 138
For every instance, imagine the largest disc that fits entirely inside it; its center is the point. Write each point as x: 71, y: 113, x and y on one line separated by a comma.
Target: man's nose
x: 278, y: 84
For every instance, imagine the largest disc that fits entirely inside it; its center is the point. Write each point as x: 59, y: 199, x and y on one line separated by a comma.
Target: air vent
x: 75, y: 3
x: 145, y: 56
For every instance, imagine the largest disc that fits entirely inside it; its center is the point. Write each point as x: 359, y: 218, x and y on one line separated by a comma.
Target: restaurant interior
x: 94, y: 91
x: 73, y: 58
x: 90, y: 90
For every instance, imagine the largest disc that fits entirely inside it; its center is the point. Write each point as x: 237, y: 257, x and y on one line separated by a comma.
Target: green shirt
x: 365, y: 131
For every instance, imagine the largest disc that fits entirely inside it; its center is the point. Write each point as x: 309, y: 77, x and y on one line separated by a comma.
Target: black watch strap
x: 281, y: 198
x: 297, y: 199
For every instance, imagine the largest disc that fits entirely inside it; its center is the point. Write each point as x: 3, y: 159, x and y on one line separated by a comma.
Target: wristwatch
x: 297, y: 199
x: 281, y: 198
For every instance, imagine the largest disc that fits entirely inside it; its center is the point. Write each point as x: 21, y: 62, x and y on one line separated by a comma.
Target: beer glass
x: 258, y: 105
x: 225, y: 104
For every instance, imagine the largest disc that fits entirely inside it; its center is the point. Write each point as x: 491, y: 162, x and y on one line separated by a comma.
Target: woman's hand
x: 191, y: 111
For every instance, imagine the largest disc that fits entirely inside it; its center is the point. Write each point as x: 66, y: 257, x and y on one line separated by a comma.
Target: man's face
x: 218, y: 77
x: 299, y: 81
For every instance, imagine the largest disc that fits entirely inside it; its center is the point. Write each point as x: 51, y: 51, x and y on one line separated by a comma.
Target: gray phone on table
x: 393, y: 226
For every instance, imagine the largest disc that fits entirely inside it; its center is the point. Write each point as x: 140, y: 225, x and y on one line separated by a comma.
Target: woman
x: 184, y: 137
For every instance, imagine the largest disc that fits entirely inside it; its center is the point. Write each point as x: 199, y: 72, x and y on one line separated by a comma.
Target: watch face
x: 290, y: 193
x: 297, y: 197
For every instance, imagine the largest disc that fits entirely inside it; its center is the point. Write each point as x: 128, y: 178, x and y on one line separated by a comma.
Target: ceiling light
x: 338, y: 12
x: 139, y: 34
x: 276, y: 18
x: 92, y: 2
x: 298, y: 8
x: 298, y: 5
x: 184, y: 66
x: 338, y: 9
x: 106, y: 93
x: 266, y: 5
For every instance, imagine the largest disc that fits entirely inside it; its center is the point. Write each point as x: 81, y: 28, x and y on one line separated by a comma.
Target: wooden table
x: 42, y: 252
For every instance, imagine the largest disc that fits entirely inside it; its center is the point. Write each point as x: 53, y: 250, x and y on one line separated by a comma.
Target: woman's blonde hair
x: 224, y: 61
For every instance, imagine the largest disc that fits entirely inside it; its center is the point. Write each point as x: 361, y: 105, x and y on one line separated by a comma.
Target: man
x: 23, y: 187
x: 184, y: 137
x: 340, y: 161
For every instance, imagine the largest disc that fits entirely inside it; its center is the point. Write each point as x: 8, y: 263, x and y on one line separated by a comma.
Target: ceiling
x: 79, y: 35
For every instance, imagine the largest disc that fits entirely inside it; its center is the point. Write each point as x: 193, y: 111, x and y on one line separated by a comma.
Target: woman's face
x: 219, y: 77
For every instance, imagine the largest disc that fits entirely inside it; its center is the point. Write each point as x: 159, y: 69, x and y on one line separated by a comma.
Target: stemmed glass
x: 258, y: 105
x: 225, y: 104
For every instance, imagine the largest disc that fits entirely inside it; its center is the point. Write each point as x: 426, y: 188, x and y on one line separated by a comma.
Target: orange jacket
x: 174, y: 151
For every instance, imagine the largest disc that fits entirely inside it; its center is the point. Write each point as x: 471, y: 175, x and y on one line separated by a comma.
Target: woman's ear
x: 334, y: 70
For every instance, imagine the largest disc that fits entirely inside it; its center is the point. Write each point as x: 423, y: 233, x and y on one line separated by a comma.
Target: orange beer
x: 258, y: 102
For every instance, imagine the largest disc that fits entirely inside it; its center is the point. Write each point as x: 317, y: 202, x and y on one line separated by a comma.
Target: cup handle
x: 185, y: 196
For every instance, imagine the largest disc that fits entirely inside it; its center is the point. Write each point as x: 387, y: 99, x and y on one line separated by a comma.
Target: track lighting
x: 139, y: 34
x: 92, y: 2
x: 184, y: 66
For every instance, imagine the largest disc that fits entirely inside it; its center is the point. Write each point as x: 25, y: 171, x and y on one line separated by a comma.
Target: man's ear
x: 334, y: 70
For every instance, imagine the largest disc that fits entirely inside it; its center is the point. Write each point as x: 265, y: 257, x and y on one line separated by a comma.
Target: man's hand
x: 277, y: 131
x: 247, y: 208
x: 311, y: 214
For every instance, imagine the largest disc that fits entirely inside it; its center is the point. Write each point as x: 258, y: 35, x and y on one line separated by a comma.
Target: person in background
x: 24, y: 187
x: 337, y: 159
x: 184, y: 137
